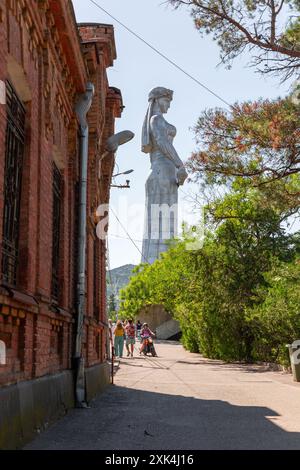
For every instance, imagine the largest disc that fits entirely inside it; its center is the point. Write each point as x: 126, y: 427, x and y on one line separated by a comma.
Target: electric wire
x: 161, y: 54
x: 130, y: 238
x: 140, y: 38
x: 113, y: 286
x: 113, y: 235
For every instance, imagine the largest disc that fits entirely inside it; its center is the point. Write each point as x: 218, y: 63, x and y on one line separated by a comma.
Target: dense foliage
x: 276, y: 319
x: 220, y: 294
x: 112, y: 307
x: 256, y: 140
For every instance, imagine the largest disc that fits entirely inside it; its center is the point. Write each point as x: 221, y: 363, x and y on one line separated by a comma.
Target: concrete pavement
x: 182, y: 401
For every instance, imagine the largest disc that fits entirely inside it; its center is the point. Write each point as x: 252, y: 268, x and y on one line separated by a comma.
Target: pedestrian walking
x: 130, y: 337
x: 119, y: 333
x: 125, y: 323
x: 138, y: 329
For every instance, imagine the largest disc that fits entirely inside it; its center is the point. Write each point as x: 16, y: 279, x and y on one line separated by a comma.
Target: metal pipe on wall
x: 82, y: 107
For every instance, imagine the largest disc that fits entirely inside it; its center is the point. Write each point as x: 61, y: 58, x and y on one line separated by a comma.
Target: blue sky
x: 137, y: 70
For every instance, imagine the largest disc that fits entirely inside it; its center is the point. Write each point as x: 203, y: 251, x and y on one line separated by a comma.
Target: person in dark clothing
x: 138, y: 328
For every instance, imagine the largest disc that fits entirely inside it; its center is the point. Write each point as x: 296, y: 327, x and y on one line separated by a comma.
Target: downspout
x: 82, y: 107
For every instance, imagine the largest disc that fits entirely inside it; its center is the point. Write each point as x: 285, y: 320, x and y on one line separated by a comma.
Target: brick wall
x: 99, y: 51
x: 48, y: 67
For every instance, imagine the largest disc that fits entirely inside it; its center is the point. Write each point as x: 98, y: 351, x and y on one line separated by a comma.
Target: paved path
x: 183, y: 401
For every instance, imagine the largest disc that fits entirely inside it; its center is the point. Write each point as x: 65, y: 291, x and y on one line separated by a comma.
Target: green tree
x: 276, y: 320
x: 112, y: 306
x: 256, y: 140
x: 211, y: 291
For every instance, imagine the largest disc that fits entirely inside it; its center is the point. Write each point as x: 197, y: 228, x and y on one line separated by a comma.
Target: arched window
x: 2, y: 353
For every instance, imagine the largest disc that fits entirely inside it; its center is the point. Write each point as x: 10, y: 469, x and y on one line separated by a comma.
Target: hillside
x: 118, y: 278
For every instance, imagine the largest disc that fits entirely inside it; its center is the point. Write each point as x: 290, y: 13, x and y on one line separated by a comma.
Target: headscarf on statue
x: 154, y: 94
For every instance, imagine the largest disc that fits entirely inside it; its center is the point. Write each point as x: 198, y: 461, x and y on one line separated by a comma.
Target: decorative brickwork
x: 48, y: 60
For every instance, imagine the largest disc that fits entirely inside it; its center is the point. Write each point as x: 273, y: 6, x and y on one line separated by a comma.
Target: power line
x: 183, y: 192
x: 112, y: 235
x: 160, y: 53
x: 109, y: 270
x: 130, y: 238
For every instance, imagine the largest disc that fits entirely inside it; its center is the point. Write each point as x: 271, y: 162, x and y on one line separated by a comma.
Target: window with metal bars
x: 56, y: 226
x: 14, y: 154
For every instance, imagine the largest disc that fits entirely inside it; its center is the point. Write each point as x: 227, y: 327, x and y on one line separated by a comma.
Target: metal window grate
x: 14, y: 153
x: 56, y: 223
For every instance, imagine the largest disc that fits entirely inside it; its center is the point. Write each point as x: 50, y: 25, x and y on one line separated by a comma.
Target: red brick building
x: 46, y: 60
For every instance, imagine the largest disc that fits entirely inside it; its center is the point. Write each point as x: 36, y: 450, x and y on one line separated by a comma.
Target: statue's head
x: 159, y: 92
x: 162, y: 96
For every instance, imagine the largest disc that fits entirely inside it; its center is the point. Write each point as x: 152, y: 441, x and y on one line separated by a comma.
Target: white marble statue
x: 167, y: 174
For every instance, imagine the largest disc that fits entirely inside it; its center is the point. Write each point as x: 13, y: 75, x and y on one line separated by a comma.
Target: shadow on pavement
x: 167, y: 341
x: 237, y: 366
x: 124, y: 418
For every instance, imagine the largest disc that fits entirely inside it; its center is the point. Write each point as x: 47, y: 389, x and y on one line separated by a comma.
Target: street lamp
x: 83, y: 105
x: 113, y: 143
x: 122, y: 186
x: 123, y: 173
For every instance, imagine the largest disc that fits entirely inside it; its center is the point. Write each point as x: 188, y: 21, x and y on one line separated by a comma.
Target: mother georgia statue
x: 167, y: 174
